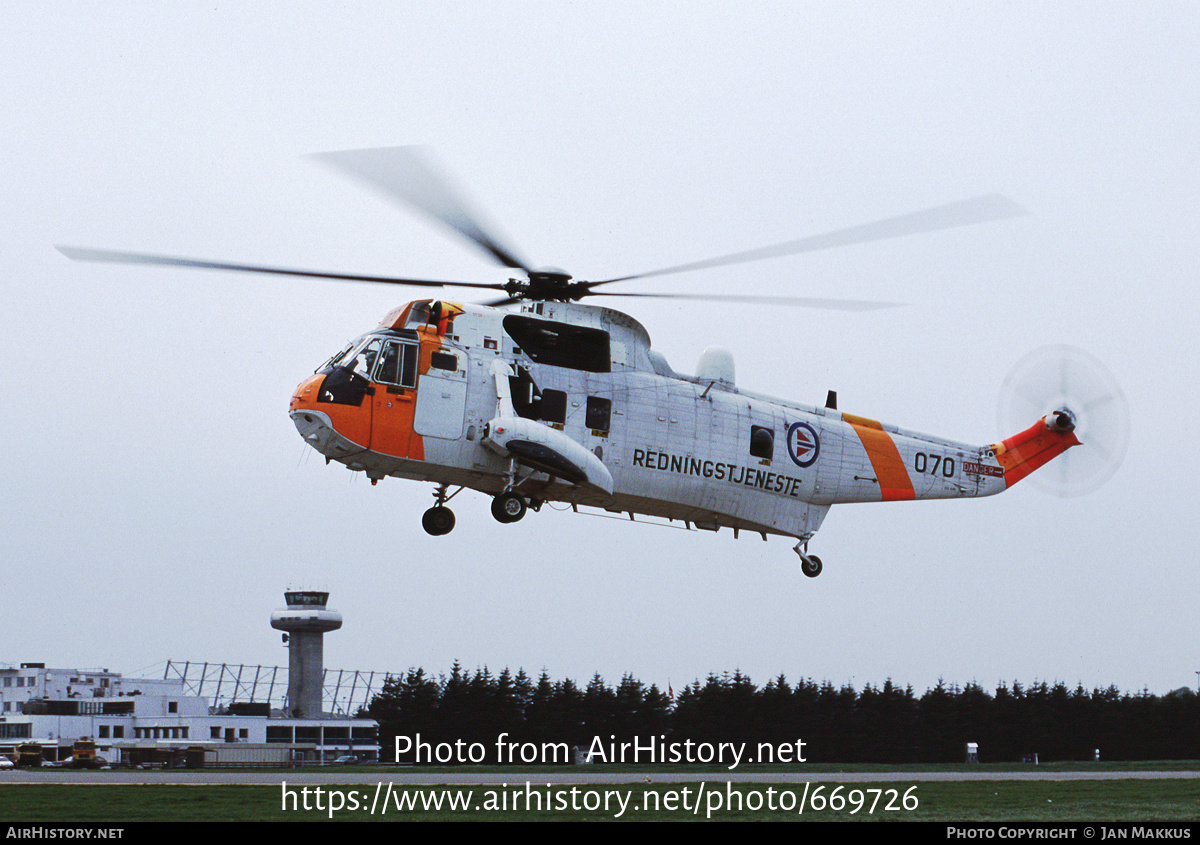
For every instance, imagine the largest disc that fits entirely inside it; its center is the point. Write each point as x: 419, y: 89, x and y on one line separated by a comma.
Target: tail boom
x: 1035, y: 447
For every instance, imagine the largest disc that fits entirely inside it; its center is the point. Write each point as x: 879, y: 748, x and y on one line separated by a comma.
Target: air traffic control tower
x: 306, y: 619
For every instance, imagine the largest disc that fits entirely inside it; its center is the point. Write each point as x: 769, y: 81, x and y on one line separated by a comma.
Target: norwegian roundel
x: 803, y: 445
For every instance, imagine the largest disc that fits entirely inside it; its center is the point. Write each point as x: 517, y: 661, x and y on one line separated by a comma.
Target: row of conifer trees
x: 884, y: 724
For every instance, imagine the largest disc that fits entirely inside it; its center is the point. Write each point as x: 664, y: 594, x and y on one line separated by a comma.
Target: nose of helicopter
x: 316, y: 429
x: 335, y: 429
x: 305, y: 394
x: 314, y: 426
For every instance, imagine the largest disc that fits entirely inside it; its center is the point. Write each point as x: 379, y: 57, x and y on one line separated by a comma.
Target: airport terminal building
x: 155, y: 721
x: 281, y: 720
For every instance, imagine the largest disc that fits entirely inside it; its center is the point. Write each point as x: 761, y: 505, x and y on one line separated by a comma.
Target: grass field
x: 1047, y: 801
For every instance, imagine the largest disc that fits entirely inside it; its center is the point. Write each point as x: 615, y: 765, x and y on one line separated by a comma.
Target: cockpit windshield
x: 348, y: 374
x: 329, y: 362
x: 359, y: 355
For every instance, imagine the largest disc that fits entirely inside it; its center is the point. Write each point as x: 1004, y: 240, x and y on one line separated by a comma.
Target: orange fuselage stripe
x: 894, y: 483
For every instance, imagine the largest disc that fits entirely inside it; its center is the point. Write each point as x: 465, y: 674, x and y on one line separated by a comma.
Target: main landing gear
x: 508, y: 507
x: 810, y: 565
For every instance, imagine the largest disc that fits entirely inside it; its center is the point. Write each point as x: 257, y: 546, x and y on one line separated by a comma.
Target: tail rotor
x: 1076, y: 392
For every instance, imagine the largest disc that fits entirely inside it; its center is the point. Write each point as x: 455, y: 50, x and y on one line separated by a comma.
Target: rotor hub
x: 1063, y: 420
x: 549, y: 283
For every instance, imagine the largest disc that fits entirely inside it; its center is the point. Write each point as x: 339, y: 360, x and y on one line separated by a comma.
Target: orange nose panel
x: 305, y: 395
x: 350, y: 421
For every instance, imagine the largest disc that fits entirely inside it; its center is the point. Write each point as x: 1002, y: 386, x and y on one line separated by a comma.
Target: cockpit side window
x: 398, y: 364
x: 364, y: 358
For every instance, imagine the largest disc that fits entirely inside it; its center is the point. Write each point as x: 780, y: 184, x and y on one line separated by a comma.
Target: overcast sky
x: 157, y: 499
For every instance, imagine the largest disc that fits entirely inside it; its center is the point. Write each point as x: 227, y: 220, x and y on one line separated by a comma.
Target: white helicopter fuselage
x: 567, y: 402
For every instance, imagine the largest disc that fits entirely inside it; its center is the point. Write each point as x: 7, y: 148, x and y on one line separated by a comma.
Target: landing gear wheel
x: 438, y: 520
x: 508, y: 507
x: 811, y: 566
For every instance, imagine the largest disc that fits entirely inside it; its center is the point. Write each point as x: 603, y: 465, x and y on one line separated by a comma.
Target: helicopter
x: 537, y: 397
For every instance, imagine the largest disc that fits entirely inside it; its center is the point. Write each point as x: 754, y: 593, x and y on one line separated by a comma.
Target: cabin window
x: 398, y: 364
x: 534, y: 404
x: 598, y: 411
x: 444, y: 361
x: 554, y: 406
x: 762, y: 442
x: 560, y: 344
x: 526, y: 398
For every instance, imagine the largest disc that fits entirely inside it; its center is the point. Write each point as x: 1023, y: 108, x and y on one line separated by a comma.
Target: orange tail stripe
x: 894, y: 483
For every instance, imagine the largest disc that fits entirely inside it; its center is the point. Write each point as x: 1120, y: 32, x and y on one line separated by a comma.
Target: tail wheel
x: 811, y: 566
x: 508, y: 507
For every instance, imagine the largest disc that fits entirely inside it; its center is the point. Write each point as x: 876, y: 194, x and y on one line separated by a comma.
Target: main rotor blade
x: 966, y: 212
x: 797, y: 301
x: 404, y: 173
x: 500, y: 303
x: 83, y: 254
